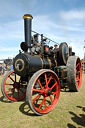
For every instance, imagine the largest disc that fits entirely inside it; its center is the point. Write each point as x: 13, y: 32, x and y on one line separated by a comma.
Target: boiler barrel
x: 25, y: 64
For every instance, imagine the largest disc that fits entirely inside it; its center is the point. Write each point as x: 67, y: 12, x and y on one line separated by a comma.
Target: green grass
x: 68, y: 113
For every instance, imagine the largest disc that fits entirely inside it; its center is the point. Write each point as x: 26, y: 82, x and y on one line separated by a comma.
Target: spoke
x: 37, y: 97
x: 49, y: 79
x: 42, y: 103
x: 77, y: 73
x: 12, y: 93
x: 15, y: 77
x: 54, y: 93
x: 51, y: 98
x: 53, y: 85
x: 40, y: 83
x: 9, y: 90
x: 77, y: 70
x: 38, y: 90
x: 77, y: 65
x: 45, y: 103
x: 78, y: 80
x: 77, y: 83
x: 80, y: 66
x: 8, y: 84
x: 46, y: 81
x: 11, y: 79
x: 21, y: 90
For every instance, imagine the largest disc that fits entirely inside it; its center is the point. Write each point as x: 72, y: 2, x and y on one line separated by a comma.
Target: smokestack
x: 27, y: 28
x: 70, y: 51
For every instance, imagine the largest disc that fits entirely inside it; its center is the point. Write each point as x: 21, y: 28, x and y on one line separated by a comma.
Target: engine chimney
x: 70, y: 51
x: 27, y: 28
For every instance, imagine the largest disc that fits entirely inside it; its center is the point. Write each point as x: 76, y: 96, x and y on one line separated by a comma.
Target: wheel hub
x: 16, y: 85
x: 47, y: 92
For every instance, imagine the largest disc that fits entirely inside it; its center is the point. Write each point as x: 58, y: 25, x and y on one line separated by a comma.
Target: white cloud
x: 10, y: 49
x: 42, y: 24
x: 54, y: 32
x: 11, y: 30
x: 73, y: 14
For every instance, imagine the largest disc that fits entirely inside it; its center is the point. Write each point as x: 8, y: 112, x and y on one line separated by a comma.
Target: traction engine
x: 40, y: 71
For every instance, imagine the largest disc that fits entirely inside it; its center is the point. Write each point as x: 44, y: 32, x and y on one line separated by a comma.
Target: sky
x: 59, y: 20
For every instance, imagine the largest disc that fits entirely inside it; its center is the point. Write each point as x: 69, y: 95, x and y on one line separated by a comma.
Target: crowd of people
x: 83, y: 67
x: 5, y: 64
x: 2, y: 68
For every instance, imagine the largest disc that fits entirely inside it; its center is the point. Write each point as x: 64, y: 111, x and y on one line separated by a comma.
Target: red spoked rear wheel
x: 11, y: 87
x: 43, y: 91
x: 78, y: 73
x: 74, y: 73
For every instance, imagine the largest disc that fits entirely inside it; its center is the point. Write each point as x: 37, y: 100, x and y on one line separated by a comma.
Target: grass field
x: 68, y: 113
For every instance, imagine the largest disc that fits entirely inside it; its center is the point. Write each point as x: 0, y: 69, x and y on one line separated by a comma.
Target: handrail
x: 45, y: 37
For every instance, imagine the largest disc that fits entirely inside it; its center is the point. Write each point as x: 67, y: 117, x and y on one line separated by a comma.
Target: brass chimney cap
x: 70, y: 46
x: 27, y: 16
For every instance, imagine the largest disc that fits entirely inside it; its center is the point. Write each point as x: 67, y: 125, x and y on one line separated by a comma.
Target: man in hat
x: 36, y: 43
x: 55, y: 50
x: 55, y: 46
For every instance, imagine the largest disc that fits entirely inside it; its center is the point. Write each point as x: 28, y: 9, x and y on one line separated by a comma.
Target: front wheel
x: 43, y: 91
x: 11, y: 87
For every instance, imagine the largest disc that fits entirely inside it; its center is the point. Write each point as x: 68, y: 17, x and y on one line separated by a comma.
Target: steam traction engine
x: 40, y: 72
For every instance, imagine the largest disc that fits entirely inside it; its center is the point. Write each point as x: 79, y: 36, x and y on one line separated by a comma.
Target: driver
x: 36, y: 43
x: 55, y: 48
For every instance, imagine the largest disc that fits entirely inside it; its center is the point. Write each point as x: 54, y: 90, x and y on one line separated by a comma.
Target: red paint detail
x: 46, y: 81
x: 47, y: 49
x: 78, y: 73
x: 12, y: 88
x: 44, y: 103
x: 40, y: 83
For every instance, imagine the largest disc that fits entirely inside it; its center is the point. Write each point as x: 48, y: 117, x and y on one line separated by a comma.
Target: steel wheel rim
x: 48, y: 101
x: 78, y: 73
x: 10, y: 92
